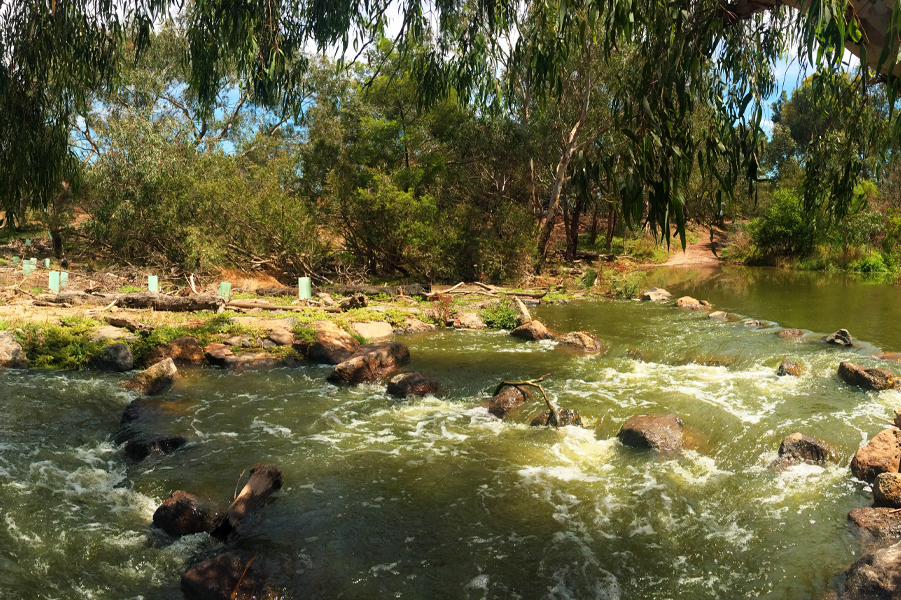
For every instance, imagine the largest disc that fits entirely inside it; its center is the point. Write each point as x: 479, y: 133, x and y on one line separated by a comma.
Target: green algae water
x: 435, y: 498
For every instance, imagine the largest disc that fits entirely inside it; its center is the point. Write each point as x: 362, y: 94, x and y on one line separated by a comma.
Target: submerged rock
x: 790, y: 334
x: 893, y: 356
x: 655, y: 295
x: 662, y: 433
x: 882, y: 454
x: 887, y: 490
x: 183, y: 514
x: 868, y: 379
x: 581, y: 341
x: 719, y: 315
x: 532, y: 331
x: 839, y: 338
x: 371, y: 363
x: 328, y: 344
x: 506, y: 400
x: 183, y: 351
x: 154, y: 380
x: 412, y: 384
x: 567, y: 417
x: 798, y: 448
x: 789, y: 367
x: 139, y: 449
x: 880, y: 522
x: 236, y: 575
x: 116, y: 358
x: 11, y: 354
x: 876, y: 576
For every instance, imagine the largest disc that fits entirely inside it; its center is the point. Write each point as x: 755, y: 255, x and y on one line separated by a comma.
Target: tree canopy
x: 682, y: 56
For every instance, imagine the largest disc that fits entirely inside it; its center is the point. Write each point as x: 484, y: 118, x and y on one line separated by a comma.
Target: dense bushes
x: 785, y: 230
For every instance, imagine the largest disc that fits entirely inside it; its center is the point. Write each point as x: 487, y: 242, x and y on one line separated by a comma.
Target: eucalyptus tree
x: 56, y: 51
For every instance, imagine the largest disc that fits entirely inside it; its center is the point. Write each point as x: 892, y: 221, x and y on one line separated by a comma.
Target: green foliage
x: 588, y: 278
x: 626, y: 285
x: 501, y: 315
x: 67, y: 346
x: 869, y: 264
x: 304, y: 334
x: 204, y: 334
x: 129, y: 289
x: 785, y: 230
x: 360, y: 338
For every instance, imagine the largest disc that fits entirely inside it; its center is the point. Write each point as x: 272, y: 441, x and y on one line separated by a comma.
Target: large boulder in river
x: 328, y: 343
x: 655, y: 295
x: 798, y: 448
x: 868, y: 379
x: 153, y: 380
x: 789, y: 366
x: 839, y: 338
x: 11, y: 354
x: 115, y: 358
x: 140, y: 448
x: 469, y: 321
x: 183, y: 351
x: 371, y: 363
x: 692, y: 303
x: 581, y: 341
x: 876, y: 576
x: 532, y: 331
x: 237, y: 575
x: 412, y: 384
x: 880, y: 522
x: 183, y: 514
x: 506, y: 400
x: 567, y: 417
x: 887, y: 490
x: 882, y: 454
x: 662, y: 433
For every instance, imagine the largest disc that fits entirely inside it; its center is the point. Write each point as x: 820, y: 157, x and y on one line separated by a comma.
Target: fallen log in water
x: 264, y: 479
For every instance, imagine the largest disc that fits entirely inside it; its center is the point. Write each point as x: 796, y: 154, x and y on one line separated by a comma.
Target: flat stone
x: 154, y: 380
x: 371, y: 363
x: 581, y: 341
x: 868, y: 379
x: 11, y: 354
x: 414, y: 325
x: 281, y: 337
x: 221, y: 355
x: 790, y: 334
x: 839, y: 338
x: 184, y: 351
x: 183, y: 514
x: 108, y: 332
x: 330, y: 344
x: 887, y: 490
x: 533, y: 331
x: 412, y: 384
x: 567, y: 418
x: 469, y: 321
x: 115, y: 358
x: 374, y: 331
x: 882, y: 454
x: 789, y: 367
x: 655, y: 295
x: 880, y: 522
x: 233, y: 576
x: 719, y: 315
x: 662, y: 433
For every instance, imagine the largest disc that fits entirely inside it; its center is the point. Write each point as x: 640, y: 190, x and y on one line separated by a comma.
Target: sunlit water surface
x: 435, y: 498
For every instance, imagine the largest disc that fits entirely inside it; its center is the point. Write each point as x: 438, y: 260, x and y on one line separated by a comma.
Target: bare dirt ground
x: 704, y: 252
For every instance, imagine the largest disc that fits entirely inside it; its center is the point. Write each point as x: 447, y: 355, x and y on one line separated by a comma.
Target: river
x: 435, y: 498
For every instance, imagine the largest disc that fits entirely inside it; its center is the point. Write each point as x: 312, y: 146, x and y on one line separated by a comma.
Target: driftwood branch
x: 533, y: 383
x: 264, y: 479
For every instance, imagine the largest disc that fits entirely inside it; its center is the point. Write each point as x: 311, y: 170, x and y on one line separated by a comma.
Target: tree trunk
x: 264, y: 479
x: 593, y: 231
x: 572, y: 233
x: 611, y: 226
x: 56, y: 239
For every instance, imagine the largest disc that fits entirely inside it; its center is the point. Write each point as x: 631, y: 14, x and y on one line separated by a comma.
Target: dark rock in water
x: 662, y: 433
x: 887, y: 490
x: 154, y: 380
x: 532, y: 331
x: 839, y: 338
x: 183, y: 514
x: 135, y: 418
x: 412, y: 384
x: 567, y: 417
x: 789, y: 367
x: 879, y: 522
x: 882, y: 454
x: 139, y: 449
x: 330, y: 344
x: 509, y: 398
x: 801, y: 448
x: 233, y: 576
x: 184, y: 351
x: 11, y: 354
x: 790, y: 334
x: 581, y: 341
x: 876, y: 576
x: 868, y: 379
x: 116, y: 358
x: 371, y: 363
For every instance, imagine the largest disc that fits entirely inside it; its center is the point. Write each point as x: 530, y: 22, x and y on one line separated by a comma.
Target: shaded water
x: 434, y: 498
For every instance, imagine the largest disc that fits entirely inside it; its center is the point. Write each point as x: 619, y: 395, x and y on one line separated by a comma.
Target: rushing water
x: 434, y: 498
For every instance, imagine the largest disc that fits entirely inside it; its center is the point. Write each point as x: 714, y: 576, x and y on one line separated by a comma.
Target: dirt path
x: 701, y: 253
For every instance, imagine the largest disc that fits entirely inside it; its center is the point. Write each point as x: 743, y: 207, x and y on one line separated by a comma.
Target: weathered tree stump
x: 264, y: 479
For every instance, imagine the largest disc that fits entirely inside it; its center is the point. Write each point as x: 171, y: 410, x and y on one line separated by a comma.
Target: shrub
x: 501, y: 316
x: 626, y: 285
x: 589, y: 277
x: 869, y: 264
x: 785, y: 230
